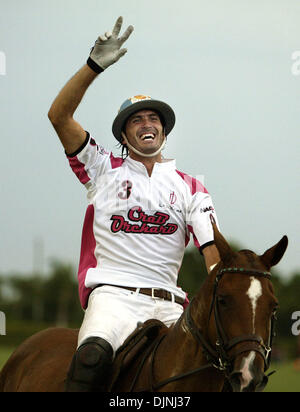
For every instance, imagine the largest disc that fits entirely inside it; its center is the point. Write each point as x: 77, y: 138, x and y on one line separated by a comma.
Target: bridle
x: 218, y: 355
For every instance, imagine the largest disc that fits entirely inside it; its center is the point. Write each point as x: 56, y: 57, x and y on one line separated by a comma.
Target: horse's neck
x: 180, y: 336
x: 201, y: 304
x: 187, y: 355
x: 183, y: 346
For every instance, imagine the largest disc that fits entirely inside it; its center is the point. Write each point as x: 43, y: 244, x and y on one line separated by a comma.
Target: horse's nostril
x: 235, y: 381
x: 238, y: 383
x: 250, y: 387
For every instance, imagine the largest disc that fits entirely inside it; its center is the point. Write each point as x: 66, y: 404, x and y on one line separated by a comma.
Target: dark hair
x: 124, y: 150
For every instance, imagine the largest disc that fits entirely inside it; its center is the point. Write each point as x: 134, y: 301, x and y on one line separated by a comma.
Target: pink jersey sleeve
x: 91, y: 160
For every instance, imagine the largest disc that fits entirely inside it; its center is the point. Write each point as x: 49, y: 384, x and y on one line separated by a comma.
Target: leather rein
x: 218, y: 355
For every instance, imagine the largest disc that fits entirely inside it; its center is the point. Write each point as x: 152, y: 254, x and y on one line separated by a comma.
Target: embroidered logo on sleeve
x: 206, y: 209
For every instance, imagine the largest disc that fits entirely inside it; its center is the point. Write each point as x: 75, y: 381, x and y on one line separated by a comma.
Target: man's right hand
x: 107, y: 49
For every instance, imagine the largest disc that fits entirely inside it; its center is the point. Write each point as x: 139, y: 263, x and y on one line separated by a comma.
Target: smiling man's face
x: 145, y: 131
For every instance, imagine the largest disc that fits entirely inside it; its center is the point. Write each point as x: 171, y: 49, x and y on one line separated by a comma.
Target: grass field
x: 4, y: 355
x: 286, y: 378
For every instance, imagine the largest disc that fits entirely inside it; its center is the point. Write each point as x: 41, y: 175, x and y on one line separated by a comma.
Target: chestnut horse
x: 222, y: 340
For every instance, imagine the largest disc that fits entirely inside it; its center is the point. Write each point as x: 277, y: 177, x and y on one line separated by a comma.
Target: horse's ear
x: 273, y: 255
x: 223, y: 247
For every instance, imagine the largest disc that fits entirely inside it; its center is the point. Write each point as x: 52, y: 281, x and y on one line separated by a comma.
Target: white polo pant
x: 113, y: 314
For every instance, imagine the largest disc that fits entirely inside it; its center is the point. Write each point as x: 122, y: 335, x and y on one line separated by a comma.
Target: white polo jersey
x: 136, y: 227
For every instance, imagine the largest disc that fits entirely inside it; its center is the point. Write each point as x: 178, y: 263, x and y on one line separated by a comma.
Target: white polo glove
x: 107, y: 49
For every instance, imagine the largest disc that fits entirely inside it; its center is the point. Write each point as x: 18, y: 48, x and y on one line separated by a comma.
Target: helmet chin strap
x: 140, y: 153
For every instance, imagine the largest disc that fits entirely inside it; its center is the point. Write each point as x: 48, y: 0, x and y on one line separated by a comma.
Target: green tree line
x: 52, y: 299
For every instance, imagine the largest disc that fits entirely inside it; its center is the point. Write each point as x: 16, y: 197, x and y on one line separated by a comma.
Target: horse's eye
x: 221, y: 300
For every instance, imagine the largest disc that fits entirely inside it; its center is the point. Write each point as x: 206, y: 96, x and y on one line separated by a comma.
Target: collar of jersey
x: 165, y: 166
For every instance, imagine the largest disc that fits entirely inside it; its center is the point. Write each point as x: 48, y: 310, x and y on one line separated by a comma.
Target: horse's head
x: 242, y: 310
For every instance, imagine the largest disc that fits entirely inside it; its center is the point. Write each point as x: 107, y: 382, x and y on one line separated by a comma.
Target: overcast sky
x: 225, y: 67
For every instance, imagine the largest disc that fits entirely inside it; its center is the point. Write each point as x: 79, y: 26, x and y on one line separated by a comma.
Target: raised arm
x: 71, y: 134
x: 106, y: 51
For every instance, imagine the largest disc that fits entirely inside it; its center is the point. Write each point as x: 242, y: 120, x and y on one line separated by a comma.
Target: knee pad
x: 90, y: 365
x: 94, y: 352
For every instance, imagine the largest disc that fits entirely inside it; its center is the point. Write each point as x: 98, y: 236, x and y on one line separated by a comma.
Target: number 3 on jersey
x: 126, y: 192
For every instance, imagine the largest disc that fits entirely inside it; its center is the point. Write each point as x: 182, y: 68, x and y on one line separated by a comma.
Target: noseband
x: 219, y: 356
